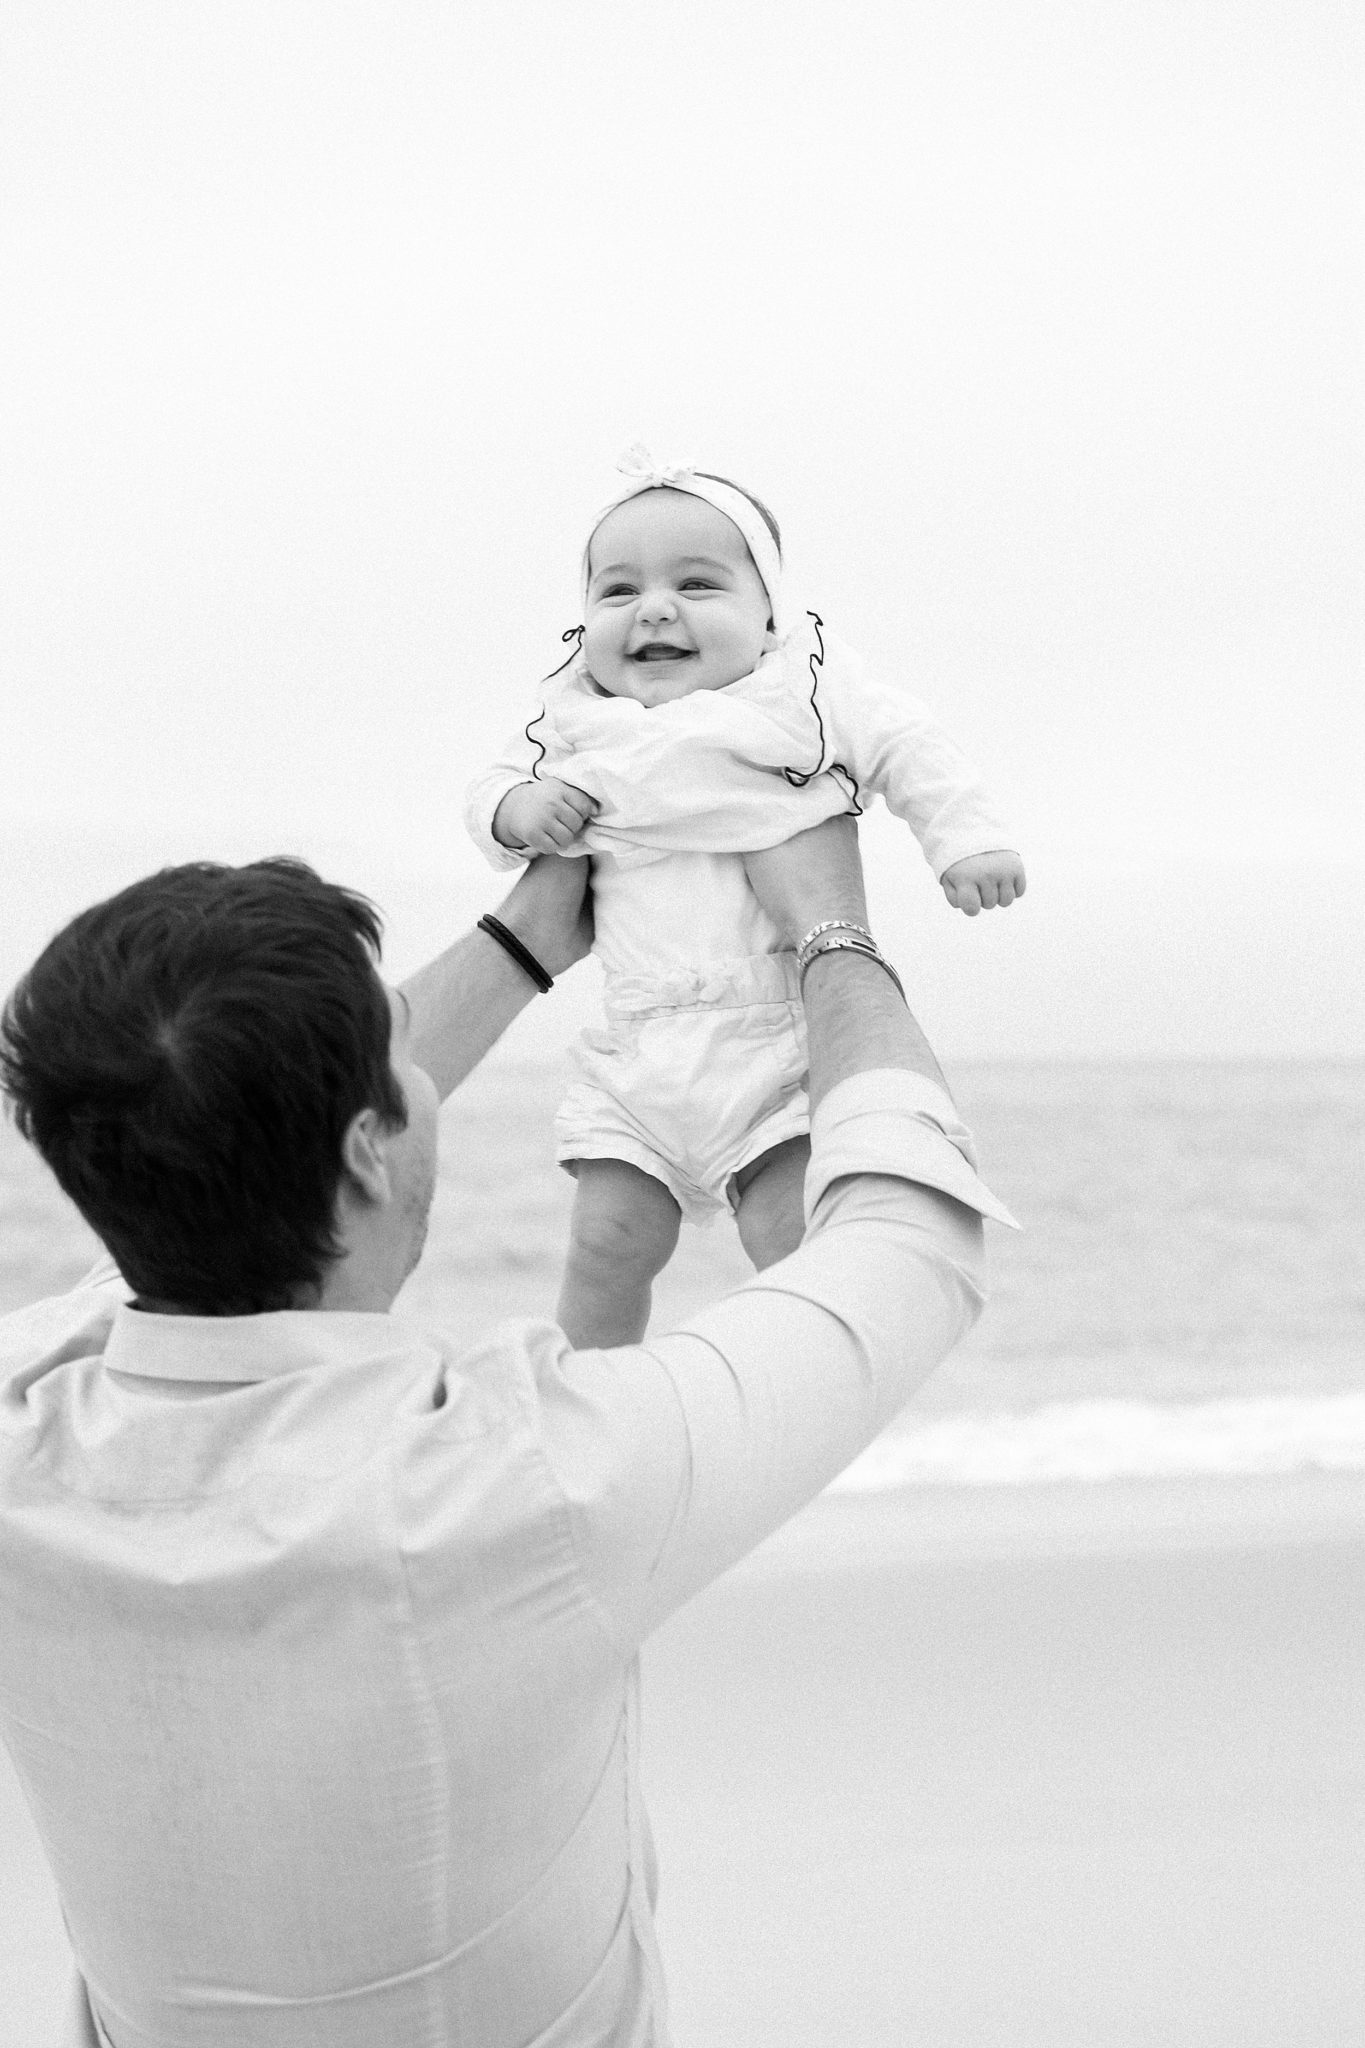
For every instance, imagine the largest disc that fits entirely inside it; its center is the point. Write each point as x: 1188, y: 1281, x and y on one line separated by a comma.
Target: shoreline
x: 936, y: 1522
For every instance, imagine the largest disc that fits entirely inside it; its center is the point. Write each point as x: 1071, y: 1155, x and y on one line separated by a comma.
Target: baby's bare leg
x: 624, y: 1227
x: 769, y: 1211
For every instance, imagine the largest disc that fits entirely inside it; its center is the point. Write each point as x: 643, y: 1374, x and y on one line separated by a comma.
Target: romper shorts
x: 696, y: 1074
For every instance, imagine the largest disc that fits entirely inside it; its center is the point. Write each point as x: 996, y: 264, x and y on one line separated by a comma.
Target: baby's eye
x: 697, y: 583
x: 617, y: 590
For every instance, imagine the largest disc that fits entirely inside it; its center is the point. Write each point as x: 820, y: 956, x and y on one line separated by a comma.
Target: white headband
x: 644, y: 473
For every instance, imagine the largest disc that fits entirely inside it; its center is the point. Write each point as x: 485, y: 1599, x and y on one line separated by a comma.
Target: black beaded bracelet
x: 512, y: 946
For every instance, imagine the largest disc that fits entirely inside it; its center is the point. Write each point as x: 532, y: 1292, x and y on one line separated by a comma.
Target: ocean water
x: 1187, y: 1295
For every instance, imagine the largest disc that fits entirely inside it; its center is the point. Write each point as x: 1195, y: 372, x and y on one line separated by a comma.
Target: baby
x: 701, y: 719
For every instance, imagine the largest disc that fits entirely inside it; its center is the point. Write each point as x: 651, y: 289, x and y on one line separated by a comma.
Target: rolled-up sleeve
x: 679, y: 1455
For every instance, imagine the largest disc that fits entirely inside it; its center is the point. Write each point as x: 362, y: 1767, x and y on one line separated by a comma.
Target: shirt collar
x: 224, y: 1348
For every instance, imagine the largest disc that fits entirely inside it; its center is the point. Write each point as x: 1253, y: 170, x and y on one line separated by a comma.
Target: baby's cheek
x: 600, y: 653
x: 606, y: 673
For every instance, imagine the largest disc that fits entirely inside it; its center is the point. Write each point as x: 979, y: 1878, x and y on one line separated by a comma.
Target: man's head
x: 675, y: 601
x: 207, y: 1062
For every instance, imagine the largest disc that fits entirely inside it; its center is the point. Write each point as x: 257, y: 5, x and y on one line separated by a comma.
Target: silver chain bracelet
x: 868, y: 947
x: 835, y: 924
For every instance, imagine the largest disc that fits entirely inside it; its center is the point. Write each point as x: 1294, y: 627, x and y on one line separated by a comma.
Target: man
x: 317, y: 1639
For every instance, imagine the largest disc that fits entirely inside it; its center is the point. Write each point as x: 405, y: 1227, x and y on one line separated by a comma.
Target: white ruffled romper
x: 700, y: 1066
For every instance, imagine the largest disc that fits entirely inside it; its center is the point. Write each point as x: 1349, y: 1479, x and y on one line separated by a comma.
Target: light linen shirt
x: 318, y: 1636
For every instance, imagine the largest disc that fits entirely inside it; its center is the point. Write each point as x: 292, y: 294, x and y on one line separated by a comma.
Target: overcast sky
x: 1038, y: 325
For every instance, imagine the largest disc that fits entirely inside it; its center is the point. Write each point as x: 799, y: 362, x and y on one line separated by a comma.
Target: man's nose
x: 655, y: 606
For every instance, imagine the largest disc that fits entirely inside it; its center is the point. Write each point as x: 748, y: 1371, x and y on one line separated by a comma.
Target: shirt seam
x: 620, y: 1640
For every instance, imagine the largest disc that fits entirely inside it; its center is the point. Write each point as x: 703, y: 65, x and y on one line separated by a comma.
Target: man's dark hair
x: 187, y: 1057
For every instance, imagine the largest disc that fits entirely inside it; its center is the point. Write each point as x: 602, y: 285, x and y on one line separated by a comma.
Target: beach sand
x: 1013, y: 1767
x: 1048, y: 1767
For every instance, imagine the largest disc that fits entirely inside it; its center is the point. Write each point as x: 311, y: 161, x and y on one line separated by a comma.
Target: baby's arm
x: 510, y: 813
x: 897, y: 750
x: 541, y: 817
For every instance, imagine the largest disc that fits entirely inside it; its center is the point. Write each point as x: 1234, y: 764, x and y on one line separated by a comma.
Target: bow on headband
x: 647, y: 473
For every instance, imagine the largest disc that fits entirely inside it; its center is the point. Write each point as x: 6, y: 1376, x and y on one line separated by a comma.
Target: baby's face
x: 675, y: 603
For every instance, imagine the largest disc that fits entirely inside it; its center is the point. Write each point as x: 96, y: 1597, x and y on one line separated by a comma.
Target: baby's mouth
x: 658, y: 651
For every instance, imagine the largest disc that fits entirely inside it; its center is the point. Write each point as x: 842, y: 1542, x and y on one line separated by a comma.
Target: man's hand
x: 983, y: 880
x: 542, y: 817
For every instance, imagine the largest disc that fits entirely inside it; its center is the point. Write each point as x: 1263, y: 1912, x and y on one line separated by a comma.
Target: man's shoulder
x: 504, y: 1367
x: 438, y: 1385
x: 62, y: 1327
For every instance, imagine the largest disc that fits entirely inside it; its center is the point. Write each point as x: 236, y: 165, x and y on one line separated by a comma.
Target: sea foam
x: 1110, y: 1439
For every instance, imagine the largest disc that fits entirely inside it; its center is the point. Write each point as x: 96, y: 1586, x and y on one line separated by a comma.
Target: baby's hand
x: 983, y: 880
x: 542, y: 817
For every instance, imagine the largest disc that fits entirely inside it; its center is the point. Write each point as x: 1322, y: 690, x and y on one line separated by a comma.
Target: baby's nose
x: 657, y: 604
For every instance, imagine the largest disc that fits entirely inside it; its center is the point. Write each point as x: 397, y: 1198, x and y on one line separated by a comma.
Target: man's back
x: 302, y: 1674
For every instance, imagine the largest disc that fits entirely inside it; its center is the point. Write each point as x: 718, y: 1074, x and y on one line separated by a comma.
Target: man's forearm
x: 463, y: 1001
x: 856, y: 1020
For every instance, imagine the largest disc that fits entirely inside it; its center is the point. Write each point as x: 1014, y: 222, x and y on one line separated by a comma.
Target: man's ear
x: 363, y: 1157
